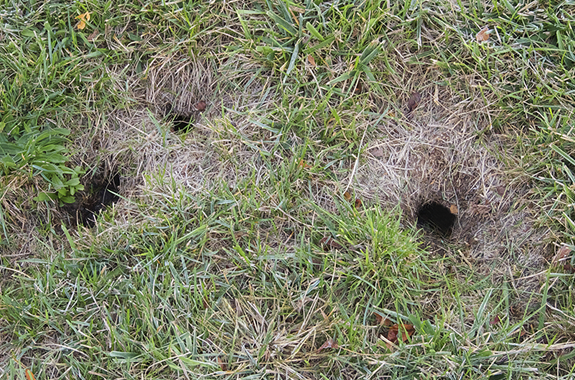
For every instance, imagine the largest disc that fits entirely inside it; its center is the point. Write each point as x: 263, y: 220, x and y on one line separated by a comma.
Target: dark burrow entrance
x: 436, y: 218
x: 99, y: 192
x: 184, y: 121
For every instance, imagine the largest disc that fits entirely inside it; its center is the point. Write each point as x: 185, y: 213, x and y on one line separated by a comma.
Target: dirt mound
x: 441, y: 156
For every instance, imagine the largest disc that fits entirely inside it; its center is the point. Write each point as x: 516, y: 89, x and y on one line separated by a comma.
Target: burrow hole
x: 99, y: 192
x: 183, y: 121
x: 435, y: 217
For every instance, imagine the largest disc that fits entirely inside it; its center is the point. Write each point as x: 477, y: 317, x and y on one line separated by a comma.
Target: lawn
x: 287, y: 190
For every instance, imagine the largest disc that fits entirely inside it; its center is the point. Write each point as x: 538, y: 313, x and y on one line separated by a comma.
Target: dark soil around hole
x: 100, y: 192
x: 437, y: 218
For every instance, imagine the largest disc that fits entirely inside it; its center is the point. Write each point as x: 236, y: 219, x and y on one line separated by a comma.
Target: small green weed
x: 38, y: 151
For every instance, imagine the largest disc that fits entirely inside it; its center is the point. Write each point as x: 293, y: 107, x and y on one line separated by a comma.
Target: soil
x: 99, y: 192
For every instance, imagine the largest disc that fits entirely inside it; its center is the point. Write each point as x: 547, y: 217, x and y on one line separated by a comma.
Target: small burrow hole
x: 99, y: 192
x: 182, y: 123
x: 435, y: 217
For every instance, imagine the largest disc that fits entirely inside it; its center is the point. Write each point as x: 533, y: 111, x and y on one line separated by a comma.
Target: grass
x: 238, y: 249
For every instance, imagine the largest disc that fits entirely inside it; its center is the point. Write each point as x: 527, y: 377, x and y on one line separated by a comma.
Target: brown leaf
x: 222, y: 364
x: 453, y: 209
x: 84, y: 18
x: 29, y: 375
x: 358, y: 203
x: 413, y: 101
x: 311, y: 60
x: 347, y: 196
x: 406, y: 331
x: 303, y: 164
x: 94, y: 35
x: 329, y: 242
x: 561, y: 254
x: 483, y: 35
x: 495, y: 320
x: 200, y: 106
x: 330, y: 343
x: 569, y: 268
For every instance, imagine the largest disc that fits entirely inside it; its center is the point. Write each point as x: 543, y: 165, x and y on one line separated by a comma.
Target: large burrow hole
x: 436, y: 218
x: 100, y: 191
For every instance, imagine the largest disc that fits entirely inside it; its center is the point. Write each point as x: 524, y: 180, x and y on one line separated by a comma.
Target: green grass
x: 214, y: 263
x: 172, y: 299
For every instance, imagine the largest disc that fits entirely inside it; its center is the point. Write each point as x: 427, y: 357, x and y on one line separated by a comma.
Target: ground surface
x: 333, y: 190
